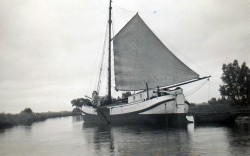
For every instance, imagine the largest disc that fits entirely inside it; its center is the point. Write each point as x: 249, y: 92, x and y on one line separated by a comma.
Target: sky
x: 50, y: 50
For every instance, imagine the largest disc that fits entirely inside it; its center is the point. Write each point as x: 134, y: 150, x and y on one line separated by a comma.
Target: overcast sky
x: 50, y: 49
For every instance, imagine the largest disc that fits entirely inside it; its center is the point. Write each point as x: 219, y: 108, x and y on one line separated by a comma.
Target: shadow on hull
x: 170, y: 120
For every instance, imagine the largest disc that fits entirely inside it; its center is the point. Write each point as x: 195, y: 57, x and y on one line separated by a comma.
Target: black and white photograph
x: 124, y: 77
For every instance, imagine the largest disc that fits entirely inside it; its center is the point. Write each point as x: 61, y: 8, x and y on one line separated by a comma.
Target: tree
x: 78, y: 103
x: 235, y: 82
x: 27, y: 110
x: 214, y: 101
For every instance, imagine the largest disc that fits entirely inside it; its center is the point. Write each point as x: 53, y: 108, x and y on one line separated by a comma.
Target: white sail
x: 140, y: 58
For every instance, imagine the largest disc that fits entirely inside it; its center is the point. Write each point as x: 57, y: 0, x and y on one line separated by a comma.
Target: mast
x: 109, y: 59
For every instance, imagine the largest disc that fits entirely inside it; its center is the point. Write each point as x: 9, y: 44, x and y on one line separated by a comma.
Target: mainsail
x: 140, y: 58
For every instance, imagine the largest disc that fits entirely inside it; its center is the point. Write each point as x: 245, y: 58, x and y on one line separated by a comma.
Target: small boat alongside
x: 214, y: 118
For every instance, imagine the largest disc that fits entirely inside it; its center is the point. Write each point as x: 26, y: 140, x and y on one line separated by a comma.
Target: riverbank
x: 27, y: 118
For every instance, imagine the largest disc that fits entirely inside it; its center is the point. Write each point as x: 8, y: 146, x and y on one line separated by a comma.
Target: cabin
x: 142, y: 96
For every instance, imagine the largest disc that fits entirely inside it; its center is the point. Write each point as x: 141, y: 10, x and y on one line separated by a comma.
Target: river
x: 69, y: 136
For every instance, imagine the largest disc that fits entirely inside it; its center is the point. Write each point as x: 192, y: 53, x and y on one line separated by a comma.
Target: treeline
x: 216, y: 101
x: 27, y: 117
x: 235, y: 89
x: 235, y: 93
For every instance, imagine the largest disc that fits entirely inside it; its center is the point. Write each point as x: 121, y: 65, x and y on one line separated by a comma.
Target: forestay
x: 140, y: 58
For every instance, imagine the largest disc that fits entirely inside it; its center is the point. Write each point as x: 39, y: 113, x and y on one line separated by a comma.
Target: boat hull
x: 213, y: 118
x: 134, y: 118
x: 169, y: 110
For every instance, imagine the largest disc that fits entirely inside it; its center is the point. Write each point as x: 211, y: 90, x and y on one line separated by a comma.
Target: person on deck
x: 95, y: 99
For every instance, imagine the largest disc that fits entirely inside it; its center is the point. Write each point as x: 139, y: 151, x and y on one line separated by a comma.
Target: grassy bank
x: 27, y: 118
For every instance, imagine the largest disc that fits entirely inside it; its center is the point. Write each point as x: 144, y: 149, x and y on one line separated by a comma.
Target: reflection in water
x: 103, y: 135
x: 101, y: 138
x: 146, y: 140
x: 240, y: 139
x: 69, y: 136
x: 77, y: 118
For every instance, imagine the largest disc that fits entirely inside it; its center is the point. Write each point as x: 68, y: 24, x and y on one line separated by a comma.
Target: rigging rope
x: 195, y: 89
x: 117, y: 5
x: 93, y: 69
x: 133, y: 11
x: 177, y: 51
x: 208, y: 91
x: 101, y: 64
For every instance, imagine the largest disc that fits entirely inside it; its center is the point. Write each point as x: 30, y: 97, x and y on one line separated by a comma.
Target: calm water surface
x: 69, y: 136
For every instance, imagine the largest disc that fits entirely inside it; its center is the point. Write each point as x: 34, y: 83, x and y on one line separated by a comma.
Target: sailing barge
x: 142, y: 63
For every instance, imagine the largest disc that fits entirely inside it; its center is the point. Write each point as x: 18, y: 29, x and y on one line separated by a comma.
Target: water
x: 69, y: 136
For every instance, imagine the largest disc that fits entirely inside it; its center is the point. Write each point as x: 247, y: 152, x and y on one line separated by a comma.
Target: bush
x: 27, y: 110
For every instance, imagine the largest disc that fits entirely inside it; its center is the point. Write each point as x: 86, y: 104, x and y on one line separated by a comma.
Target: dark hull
x: 214, y: 118
x: 132, y: 118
